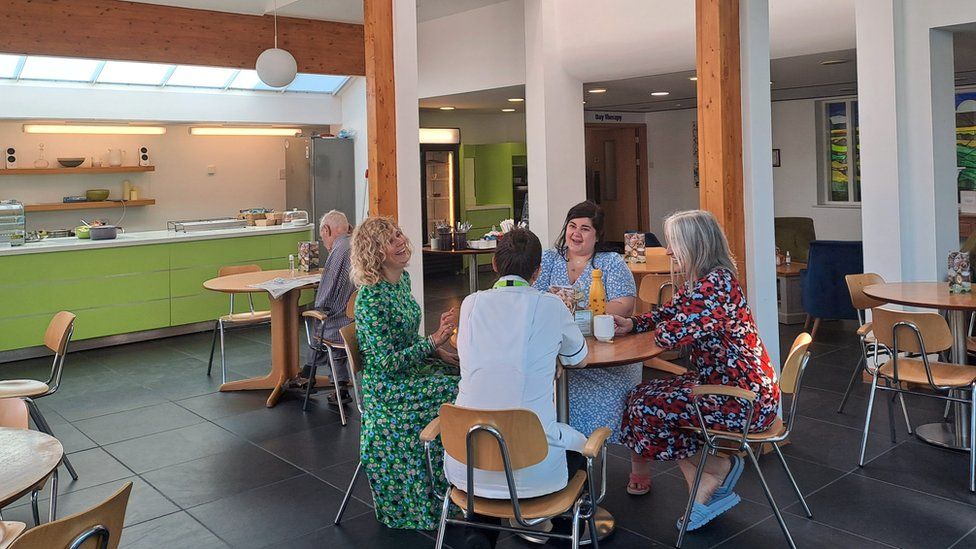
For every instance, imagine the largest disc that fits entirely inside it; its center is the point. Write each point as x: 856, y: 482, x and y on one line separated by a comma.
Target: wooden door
x: 615, y: 180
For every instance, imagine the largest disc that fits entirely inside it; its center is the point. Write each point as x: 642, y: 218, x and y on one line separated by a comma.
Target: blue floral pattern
x: 596, y: 397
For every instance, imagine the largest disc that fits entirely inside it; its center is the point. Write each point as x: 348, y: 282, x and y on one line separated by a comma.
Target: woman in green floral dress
x: 406, y: 378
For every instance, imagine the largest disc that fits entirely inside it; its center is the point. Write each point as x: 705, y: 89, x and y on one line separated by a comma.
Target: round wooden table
x: 472, y: 255
x: 27, y: 458
x: 935, y: 295
x: 284, y: 327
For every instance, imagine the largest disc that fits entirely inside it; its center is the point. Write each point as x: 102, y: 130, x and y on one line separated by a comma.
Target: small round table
x: 284, y: 327
x: 935, y: 295
x: 623, y: 350
x: 27, y: 458
x: 472, y: 255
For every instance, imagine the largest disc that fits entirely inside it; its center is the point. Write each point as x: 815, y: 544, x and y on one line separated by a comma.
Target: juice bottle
x: 598, y: 294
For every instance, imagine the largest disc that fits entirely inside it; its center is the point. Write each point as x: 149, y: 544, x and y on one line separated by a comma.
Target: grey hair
x: 331, y: 218
x: 698, y: 243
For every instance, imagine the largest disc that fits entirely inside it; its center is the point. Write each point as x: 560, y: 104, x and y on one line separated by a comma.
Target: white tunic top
x: 508, y: 341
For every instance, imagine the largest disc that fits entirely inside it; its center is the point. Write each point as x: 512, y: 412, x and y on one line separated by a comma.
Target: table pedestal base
x: 940, y: 434
x: 605, y: 524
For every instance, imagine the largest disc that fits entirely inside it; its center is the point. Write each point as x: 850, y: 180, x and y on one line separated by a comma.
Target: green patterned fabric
x: 403, y: 389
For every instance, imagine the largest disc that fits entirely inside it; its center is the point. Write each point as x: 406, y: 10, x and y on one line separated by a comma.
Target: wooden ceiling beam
x: 129, y: 31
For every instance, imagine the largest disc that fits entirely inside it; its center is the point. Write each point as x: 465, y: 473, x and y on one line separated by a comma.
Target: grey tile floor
x: 219, y: 469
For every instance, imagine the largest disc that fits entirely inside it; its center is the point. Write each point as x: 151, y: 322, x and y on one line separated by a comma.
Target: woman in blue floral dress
x: 597, y: 396
x: 406, y: 377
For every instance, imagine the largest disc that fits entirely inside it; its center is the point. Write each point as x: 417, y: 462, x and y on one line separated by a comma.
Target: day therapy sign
x: 605, y: 117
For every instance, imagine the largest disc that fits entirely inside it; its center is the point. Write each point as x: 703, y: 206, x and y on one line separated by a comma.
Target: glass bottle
x: 598, y: 294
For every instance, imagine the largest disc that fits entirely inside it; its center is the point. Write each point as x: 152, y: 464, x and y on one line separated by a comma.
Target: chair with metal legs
x: 507, y: 440
x: 655, y: 290
x: 790, y: 383
x: 100, y: 526
x: 247, y: 318
x: 354, y: 360
x: 56, y: 338
x: 319, y: 344
x: 921, y: 334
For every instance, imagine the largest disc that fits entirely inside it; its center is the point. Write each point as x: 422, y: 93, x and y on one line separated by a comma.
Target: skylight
x: 98, y: 73
x: 127, y: 72
x: 64, y: 69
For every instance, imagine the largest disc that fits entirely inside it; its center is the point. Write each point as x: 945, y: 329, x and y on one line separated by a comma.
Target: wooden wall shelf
x: 59, y: 206
x: 76, y: 171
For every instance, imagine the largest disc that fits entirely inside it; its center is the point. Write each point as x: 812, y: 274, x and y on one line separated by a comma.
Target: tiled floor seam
x: 813, y: 520
x: 958, y: 541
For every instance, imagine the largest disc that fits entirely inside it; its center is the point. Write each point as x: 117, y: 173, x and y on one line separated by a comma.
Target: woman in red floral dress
x: 709, y: 315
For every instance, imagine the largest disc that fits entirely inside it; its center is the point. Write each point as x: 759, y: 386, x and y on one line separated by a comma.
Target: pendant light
x: 276, y: 67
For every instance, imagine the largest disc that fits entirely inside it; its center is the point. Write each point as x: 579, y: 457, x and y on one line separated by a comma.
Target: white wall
x: 479, y: 49
x: 247, y: 176
x: 478, y: 128
x: 353, y: 98
x: 26, y: 100
x: 795, y: 181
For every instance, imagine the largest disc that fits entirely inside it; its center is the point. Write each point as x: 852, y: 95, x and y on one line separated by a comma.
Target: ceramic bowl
x: 96, y: 195
x: 70, y: 162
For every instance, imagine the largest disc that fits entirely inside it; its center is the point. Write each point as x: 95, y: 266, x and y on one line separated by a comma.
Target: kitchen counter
x: 144, y: 237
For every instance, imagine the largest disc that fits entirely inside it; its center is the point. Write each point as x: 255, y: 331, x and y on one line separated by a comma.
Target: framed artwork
x: 775, y: 158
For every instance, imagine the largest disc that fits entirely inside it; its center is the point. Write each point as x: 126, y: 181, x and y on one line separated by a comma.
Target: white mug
x: 603, y: 327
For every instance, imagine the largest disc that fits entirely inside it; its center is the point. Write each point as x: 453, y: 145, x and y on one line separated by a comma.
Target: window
x: 127, y: 72
x: 966, y: 140
x: 840, y: 173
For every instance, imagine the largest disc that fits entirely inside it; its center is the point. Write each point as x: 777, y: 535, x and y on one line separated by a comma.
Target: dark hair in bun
x: 519, y: 253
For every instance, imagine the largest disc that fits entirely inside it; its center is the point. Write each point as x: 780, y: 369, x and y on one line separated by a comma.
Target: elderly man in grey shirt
x: 334, y: 292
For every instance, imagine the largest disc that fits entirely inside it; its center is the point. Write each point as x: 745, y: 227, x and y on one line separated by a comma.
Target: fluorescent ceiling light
x: 244, y: 130
x: 126, y: 72
x: 598, y: 90
x: 516, y: 99
x: 508, y: 110
x: 834, y: 61
x: 59, y: 68
x: 440, y: 135
x: 660, y: 94
x: 447, y: 108
x: 94, y: 130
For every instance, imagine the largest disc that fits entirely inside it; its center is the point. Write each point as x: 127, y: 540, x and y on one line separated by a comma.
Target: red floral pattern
x: 713, y: 319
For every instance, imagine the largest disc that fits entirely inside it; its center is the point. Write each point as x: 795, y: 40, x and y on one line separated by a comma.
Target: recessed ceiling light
x: 447, y: 108
x: 848, y: 89
x: 677, y: 104
x: 508, y: 110
x: 516, y: 99
x: 660, y: 94
x: 834, y: 61
x: 598, y: 90
x: 693, y: 78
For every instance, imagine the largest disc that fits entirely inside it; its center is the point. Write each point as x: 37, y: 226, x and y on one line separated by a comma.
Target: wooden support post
x: 720, y: 120
x: 380, y: 107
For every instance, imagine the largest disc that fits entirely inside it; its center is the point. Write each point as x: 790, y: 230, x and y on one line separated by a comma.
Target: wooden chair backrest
x: 936, y: 336
x: 790, y: 374
x: 13, y: 413
x: 657, y: 261
x: 62, y: 532
x: 650, y: 289
x: 228, y: 270
x: 59, y: 331
x: 520, y: 429
x: 856, y: 284
x: 351, y: 305
x: 348, y: 334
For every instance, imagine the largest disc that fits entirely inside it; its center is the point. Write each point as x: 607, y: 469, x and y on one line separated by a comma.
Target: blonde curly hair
x: 369, y: 242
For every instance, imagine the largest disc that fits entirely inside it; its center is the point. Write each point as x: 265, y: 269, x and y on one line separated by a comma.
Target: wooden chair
x: 655, y: 290
x: 99, y: 527
x: 507, y: 440
x: 248, y: 318
x: 9, y: 530
x: 56, y: 338
x: 869, y: 344
x: 319, y: 344
x: 790, y: 383
x: 921, y: 334
x: 355, y: 362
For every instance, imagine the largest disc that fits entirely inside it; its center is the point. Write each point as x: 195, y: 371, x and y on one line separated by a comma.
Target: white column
x: 553, y: 125
x: 909, y: 210
x: 408, y: 136
x: 757, y: 167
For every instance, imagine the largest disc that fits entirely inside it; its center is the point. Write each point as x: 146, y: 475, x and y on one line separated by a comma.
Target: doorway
x: 616, y: 177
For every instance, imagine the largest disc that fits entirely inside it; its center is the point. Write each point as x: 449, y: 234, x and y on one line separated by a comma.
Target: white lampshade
x: 276, y: 67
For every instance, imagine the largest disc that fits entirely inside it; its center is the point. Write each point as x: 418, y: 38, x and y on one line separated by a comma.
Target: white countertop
x: 138, y: 238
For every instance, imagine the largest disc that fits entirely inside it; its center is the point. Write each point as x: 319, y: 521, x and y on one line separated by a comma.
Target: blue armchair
x: 824, y: 292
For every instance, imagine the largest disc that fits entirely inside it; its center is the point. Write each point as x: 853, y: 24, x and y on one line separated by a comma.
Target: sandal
x: 703, y: 514
x: 638, y: 485
x: 738, y: 465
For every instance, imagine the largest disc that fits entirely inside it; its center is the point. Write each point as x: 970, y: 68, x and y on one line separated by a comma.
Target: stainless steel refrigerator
x: 320, y: 175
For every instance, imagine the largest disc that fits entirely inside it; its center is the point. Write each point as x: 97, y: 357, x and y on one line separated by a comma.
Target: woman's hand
x: 622, y: 325
x: 448, y: 323
x: 448, y: 356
